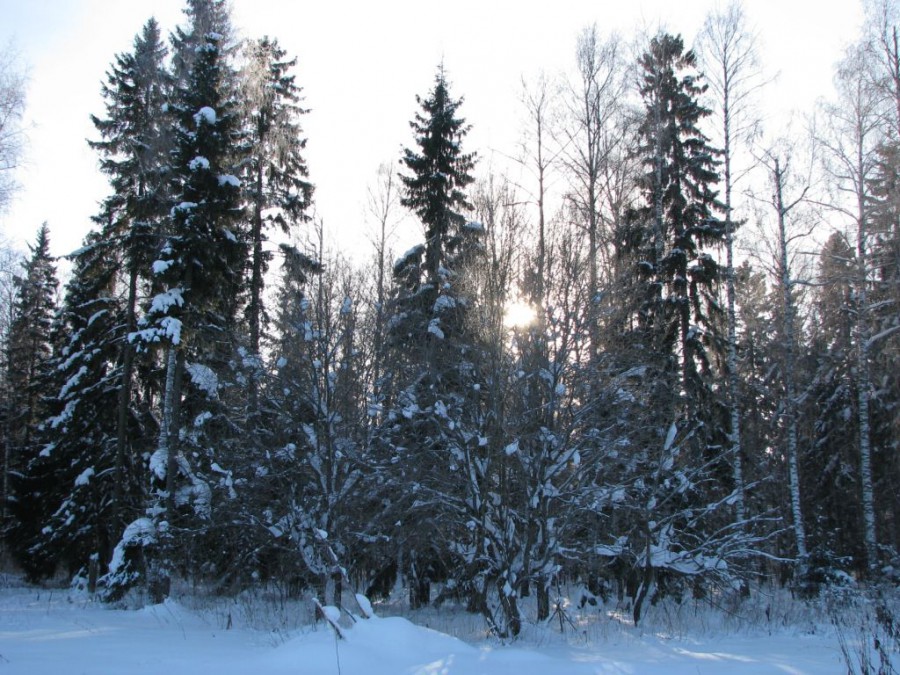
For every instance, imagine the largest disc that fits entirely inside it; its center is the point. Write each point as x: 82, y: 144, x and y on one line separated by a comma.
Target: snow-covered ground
x: 53, y: 632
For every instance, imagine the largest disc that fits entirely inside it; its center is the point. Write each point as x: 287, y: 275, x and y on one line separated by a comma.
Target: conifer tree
x: 434, y: 368
x: 134, y: 149
x: 29, y: 351
x: 673, y: 325
x: 79, y: 438
x: 276, y: 175
x: 672, y: 231
x: 200, y: 267
x: 833, y: 483
x: 204, y: 18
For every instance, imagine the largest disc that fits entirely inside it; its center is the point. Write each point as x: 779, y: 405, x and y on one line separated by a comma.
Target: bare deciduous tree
x: 731, y: 64
x: 12, y: 107
x: 853, y: 132
x: 592, y: 141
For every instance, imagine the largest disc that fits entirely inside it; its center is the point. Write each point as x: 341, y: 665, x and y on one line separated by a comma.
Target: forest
x: 664, y: 364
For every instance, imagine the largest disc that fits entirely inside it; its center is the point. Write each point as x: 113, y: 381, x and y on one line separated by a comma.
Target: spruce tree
x: 79, y: 437
x: 204, y: 18
x: 674, y: 326
x: 672, y: 231
x: 435, y: 359
x: 276, y: 175
x: 200, y: 267
x: 134, y: 147
x: 832, y: 477
x: 29, y: 351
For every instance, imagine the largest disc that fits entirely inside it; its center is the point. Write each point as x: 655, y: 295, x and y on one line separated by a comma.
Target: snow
x: 84, y: 477
x: 171, y: 328
x: 96, y: 315
x: 332, y: 613
x: 364, y: 605
x: 205, y: 114
x: 198, y: 163
x: 434, y: 327
x: 408, y: 257
x: 140, y: 531
x: 443, y: 303
x: 183, y: 206
x: 163, y: 302
x: 158, y: 463
x: 51, y: 631
x: 204, y: 378
x: 228, y: 179
x: 71, y: 383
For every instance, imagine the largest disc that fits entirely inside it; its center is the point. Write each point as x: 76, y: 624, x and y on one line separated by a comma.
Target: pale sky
x: 361, y: 64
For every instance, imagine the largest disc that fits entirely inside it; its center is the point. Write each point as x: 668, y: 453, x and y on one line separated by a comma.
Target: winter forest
x: 663, y: 365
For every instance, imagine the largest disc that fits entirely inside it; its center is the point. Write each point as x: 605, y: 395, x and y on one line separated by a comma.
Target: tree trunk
x: 510, y: 605
x: 790, y: 403
x: 124, y: 401
x: 543, y: 598
x: 863, y: 392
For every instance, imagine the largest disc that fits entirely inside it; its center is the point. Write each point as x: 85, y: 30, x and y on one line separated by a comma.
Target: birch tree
x: 783, y: 252
x: 12, y: 107
x: 853, y: 132
x: 593, y: 142
x: 728, y: 53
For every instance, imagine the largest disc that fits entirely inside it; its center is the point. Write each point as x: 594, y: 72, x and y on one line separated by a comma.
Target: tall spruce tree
x: 204, y: 17
x: 673, y: 324
x: 200, y: 267
x: 29, y: 352
x: 833, y: 480
x: 79, y: 438
x: 134, y: 147
x: 276, y: 175
x: 885, y: 260
x: 672, y: 231
x: 434, y: 371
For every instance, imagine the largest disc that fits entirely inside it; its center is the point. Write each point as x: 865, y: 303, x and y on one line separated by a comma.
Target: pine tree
x: 29, y: 350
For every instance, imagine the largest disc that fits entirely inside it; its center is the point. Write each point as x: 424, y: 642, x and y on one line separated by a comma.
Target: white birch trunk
x: 790, y: 403
x: 863, y: 393
x: 734, y: 436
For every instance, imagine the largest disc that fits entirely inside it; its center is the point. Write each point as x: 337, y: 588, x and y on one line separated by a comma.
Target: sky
x: 361, y: 65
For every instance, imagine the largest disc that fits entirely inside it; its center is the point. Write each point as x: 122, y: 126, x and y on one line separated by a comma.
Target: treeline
x: 594, y: 382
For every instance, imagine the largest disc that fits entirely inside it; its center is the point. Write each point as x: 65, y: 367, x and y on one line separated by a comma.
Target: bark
x: 543, y: 598
x: 734, y: 409
x: 863, y: 389
x: 124, y: 400
x: 254, y: 310
x: 647, y: 578
x: 790, y: 403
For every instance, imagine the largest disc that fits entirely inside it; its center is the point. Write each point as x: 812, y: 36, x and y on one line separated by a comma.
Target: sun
x: 518, y: 314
